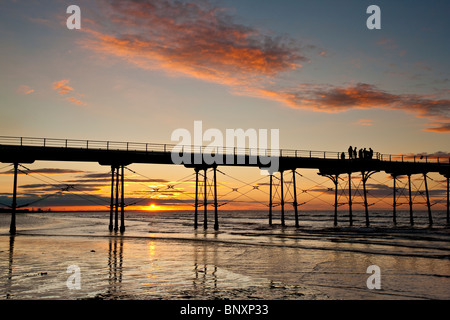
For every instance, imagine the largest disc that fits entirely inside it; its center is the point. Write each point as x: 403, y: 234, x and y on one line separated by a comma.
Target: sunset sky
x: 138, y: 70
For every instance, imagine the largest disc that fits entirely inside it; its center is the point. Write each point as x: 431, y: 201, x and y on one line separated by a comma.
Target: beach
x: 162, y: 257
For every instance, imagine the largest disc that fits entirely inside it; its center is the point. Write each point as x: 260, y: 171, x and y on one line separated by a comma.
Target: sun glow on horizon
x: 153, y: 207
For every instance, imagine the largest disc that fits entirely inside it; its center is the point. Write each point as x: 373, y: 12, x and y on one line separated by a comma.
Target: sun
x: 155, y: 207
x: 152, y: 207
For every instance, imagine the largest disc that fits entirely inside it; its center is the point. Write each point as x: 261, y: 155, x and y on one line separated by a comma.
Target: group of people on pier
x: 361, y: 154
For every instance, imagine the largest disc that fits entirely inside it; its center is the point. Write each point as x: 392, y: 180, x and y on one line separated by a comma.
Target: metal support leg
x: 12, y: 227
x: 216, y: 217
x: 122, y: 202
x: 366, y: 205
x: 335, y: 180
x: 282, y: 199
x: 116, y: 217
x: 350, y: 212
x: 111, y: 212
x: 205, y: 203
x: 448, y: 201
x: 295, y: 199
x: 430, y: 218
x: 270, y: 200
x: 394, y: 198
x: 196, y: 200
x: 411, y: 217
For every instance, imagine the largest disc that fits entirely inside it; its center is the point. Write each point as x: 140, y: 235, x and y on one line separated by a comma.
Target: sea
x: 161, y: 256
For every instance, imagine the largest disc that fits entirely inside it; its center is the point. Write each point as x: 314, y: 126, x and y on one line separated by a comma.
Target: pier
x: 118, y: 155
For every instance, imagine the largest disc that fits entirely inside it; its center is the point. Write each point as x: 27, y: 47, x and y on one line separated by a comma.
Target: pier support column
x: 411, y: 217
x: 270, y: 200
x: 205, y: 202
x: 430, y: 218
x: 196, y: 199
x: 365, y: 177
x: 394, y: 200
x: 295, y: 199
x: 350, y: 212
x: 116, y: 216
x: 282, y: 199
x: 448, y: 200
x: 12, y: 226
x: 335, y: 180
x: 366, y: 209
x: 111, y: 211
x: 216, y: 217
x: 122, y: 201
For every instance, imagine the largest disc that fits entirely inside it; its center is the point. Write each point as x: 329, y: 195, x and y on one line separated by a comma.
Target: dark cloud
x: 62, y: 187
x: 58, y: 199
x: 48, y: 171
x: 96, y: 175
x: 107, y: 181
x: 74, y: 200
x: 377, y: 190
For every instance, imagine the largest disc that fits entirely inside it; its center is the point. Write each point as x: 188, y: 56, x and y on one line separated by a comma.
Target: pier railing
x: 159, y: 147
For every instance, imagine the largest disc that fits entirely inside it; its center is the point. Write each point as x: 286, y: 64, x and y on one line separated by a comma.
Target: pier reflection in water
x: 10, y: 267
x: 115, y: 262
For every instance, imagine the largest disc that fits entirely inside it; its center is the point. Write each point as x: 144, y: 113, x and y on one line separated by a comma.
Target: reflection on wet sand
x: 232, y: 263
x: 202, y: 278
x: 12, y: 238
x: 115, y: 262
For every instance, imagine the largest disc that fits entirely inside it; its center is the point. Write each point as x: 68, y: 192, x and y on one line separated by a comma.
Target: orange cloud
x: 364, y: 122
x: 202, y: 41
x: 76, y: 101
x: 327, y: 98
x: 23, y: 89
x: 439, y: 127
x: 193, y: 39
x: 62, y: 87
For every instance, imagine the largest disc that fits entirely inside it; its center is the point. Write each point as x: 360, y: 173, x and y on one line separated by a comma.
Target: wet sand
x: 206, y: 265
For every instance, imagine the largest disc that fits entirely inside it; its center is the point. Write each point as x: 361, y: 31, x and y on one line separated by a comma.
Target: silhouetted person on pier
x: 365, y: 154
x: 343, y: 155
x: 350, y: 152
x: 360, y: 153
x: 354, y: 153
x: 370, y: 153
